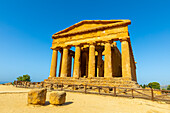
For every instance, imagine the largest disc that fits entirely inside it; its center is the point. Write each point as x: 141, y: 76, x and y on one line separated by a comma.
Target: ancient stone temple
x: 97, y: 60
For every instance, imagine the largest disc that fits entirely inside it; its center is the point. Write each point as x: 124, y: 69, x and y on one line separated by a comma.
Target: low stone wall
x: 29, y: 84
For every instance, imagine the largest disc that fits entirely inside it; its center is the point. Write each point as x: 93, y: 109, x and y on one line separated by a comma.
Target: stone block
x: 157, y: 92
x: 57, y: 97
x: 106, y: 90
x: 37, y: 96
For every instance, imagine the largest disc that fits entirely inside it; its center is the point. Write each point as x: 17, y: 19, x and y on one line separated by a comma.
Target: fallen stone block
x: 37, y: 96
x: 57, y: 97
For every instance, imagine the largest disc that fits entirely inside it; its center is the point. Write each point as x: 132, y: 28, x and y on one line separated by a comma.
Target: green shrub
x: 163, y: 89
x: 24, y: 78
x: 168, y: 88
x: 154, y: 85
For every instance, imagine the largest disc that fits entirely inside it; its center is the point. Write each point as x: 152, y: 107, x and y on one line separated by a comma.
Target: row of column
x: 126, y: 69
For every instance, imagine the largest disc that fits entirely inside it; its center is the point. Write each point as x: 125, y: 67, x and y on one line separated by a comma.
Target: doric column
x: 115, y: 65
x: 76, y: 73
x: 91, y: 67
x: 53, y: 64
x: 87, y: 61
x: 64, y: 66
x: 126, y: 68
x: 99, y: 63
x: 61, y: 51
x: 108, y: 60
x: 69, y: 65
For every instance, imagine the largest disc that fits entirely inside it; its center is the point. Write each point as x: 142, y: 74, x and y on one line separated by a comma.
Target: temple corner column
x: 53, y: 68
x: 126, y: 67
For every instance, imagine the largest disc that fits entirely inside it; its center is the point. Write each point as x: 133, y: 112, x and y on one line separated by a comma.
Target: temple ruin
x: 97, y: 59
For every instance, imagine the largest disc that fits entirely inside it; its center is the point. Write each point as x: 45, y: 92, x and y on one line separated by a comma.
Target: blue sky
x: 26, y: 27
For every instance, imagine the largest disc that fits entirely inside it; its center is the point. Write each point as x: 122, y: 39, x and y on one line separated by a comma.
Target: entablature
x: 98, y: 36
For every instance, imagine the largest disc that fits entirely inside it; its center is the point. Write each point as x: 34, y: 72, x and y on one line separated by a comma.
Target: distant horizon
x: 162, y: 85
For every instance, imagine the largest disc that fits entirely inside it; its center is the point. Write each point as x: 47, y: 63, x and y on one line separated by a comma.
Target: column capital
x: 61, y: 50
x: 114, y: 44
x: 67, y: 47
x: 108, y: 41
x: 57, y: 48
x: 124, y: 39
x: 92, y: 43
x: 78, y: 45
x: 99, y: 50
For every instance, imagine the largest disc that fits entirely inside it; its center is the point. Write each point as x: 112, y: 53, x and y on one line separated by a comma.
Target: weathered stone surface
x: 99, y: 63
x: 64, y: 66
x: 97, y: 81
x: 91, y: 69
x: 10, y: 83
x: 126, y: 67
x: 53, y: 64
x: 108, y: 59
x: 119, y: 29
x: 157, y: 92
x: 92, y: 39
x: 57, y: 97
x: 76, y: 73
x: 37, y: 96
x: 106, y: 90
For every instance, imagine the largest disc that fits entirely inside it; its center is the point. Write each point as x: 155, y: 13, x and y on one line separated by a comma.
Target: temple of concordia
x: 97, y: 60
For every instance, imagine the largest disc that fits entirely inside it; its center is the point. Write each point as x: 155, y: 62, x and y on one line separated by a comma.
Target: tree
x: 154, y: 85
x: 144, y: 85
x: 168, y: 88
x: 163, y: 89
x: 19, y: 78
x: 24, y: 78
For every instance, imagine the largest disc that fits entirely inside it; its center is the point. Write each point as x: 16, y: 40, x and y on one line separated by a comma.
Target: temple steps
x: 112, y: 82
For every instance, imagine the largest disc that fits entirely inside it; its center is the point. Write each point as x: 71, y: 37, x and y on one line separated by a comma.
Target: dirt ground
x: 78, y: 103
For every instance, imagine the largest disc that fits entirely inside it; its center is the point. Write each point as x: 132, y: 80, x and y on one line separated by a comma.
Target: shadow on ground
x: 65, y: 104
x: 47, y: 103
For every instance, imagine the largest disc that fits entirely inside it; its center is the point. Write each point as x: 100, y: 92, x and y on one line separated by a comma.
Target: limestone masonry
x: 93, y: 39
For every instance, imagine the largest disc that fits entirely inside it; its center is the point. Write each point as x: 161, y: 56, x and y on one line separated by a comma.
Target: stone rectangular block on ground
x: 37, y: 96
x: 57, y: 97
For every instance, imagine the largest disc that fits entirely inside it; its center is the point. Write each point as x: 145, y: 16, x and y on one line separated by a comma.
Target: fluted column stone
x: 108, y: 60
x: 99, y: 63
x: 91, y: 67
x: 76, y: 73
x: 126, y: 68
x: 69, y: 65
x: 61, y: 51
x: 87, y: 62
x: 53, y: 64
x: 64, y: 66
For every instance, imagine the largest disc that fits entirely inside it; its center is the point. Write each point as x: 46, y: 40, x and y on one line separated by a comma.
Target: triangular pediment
x: 88, y: 25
